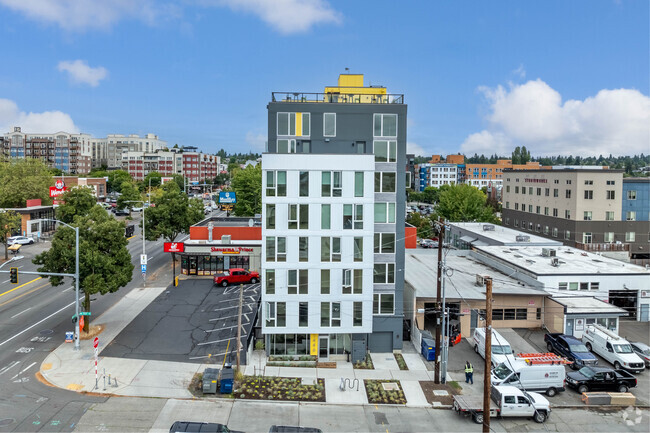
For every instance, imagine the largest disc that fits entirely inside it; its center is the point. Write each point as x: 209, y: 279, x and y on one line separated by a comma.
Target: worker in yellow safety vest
x: 469, y: 373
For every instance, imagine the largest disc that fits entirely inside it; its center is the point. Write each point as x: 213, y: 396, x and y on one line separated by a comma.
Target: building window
x: 567, y: 214
x: 270, y: 281
x: 385, y: 151
x: 584, y: 286
x: 332, y: 184
x: 573, y: 286
x: 567, y: 235
x: 554, y: 232
x: 568, y: 193
x: 303, y: 249
x: 358, y: 184
x: 287, y: 146
x: 324, y: 281
x: 539, y: 191
x: 304, y: 184
x: 523, y: 190
x: 595, y: 285
x: 608, y: 237
x: 293, y: 124
x: 385, y: 125
x: 538, y: 314
x: 358, y: 249
x: 276, y: 314
x: 270, y: 216
x: 546, y: 230
x: 383, y: 303
x: 547, y: 191
x: 297, y: 281
x: 537, y: 209
x: 276, y: 183
x: 589, y: 195
x: 516, y: 206
x: 630, y: 236
x: 384, y: 243
x: 589, y: 182
x: 352, y: 281
x: 507, y: 205
x: 384, y: 273
x: 298, y: 216
x: 562, y: 286
x: 507, y: 188
x: 611, y: 195
x: 611, y: 182
x: 630, y: 216
x: 330, y: 249
x: 329, y: 124
x: 609, y: 216
x: 516, y: 190
x: 555, y: 192
x: 587, y: 215
x: 546, y: 211
x: 385, y: 182
x: 385, y: 212
x: 276, y: 249
x: 325, y: 216
x: 357, y: 313
x: 497, y: 314
x: 303, y: 314
x: 352, y: 219
x: 631, y: 195
x: 330, y: 314
x: 555, y: 212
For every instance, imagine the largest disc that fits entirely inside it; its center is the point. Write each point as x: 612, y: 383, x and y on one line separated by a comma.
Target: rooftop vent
x: 555, y: 261
x: 529, y: 261
x: 225, y: 239
x: 522, y: 238
x: 549, y: 252
x: 488, y: 227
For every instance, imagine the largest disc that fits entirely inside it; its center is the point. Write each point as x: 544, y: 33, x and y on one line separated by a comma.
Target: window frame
x: 325, y: 116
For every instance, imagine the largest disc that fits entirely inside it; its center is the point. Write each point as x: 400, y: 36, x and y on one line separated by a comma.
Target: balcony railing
x: 603, y: 247
x: 337, y: 98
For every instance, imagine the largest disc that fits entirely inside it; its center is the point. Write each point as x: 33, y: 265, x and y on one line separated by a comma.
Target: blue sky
x: 559, y: 77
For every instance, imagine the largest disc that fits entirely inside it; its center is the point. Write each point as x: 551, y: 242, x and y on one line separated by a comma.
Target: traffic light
x: 13, y: 275
x: 74, y: 319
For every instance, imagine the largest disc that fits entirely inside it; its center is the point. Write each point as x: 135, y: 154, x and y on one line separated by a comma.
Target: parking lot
x: 194, y: 322
x: 527, y: 341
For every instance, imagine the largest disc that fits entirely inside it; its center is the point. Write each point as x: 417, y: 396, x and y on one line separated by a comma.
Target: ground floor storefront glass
x: 298, y: 344
x: 210, y: 265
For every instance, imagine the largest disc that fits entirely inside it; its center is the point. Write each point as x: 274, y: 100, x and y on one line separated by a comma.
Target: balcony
x: 603, y: 247
x: 337, y: 98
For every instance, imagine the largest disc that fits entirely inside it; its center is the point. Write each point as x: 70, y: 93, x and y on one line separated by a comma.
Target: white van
x: 501, y: 350
x: 615, y: 349
x: 548, y: 378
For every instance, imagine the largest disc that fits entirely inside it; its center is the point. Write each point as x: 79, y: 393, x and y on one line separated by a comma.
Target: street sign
x: 84, y: 313
x: 144, y: 268
x: 143, y: 259
x: 96, y: 342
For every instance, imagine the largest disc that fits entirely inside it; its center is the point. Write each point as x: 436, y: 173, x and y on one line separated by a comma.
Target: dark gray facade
x: 354, y: 135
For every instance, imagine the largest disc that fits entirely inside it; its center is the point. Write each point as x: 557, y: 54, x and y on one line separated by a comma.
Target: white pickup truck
x: 506, y: 401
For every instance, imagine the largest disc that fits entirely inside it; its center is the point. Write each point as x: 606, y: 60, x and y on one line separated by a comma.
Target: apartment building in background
x: 189, y: 163
x: 71, y: 153
x: 333, y: 221
x: 108, y: 151
x: 582, y: 207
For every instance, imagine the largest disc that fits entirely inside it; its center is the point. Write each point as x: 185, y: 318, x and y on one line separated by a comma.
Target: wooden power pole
x: 488, y: 355
x: 441, y: 235
x: 241, y: 301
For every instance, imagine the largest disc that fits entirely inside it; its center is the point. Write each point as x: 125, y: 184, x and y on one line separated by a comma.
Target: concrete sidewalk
x: 75, y: 370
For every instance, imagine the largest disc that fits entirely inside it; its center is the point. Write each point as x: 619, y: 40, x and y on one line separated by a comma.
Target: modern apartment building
x: 333, y: 221
x: 581, y: 207
x: 70, y: 153
x: 108, y: 151
x: 636, y: 199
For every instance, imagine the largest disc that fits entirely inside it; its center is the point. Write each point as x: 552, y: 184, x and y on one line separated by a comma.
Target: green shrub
x: 259, y: 345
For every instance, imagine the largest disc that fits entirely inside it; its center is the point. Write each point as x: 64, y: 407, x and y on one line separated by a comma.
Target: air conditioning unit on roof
x: 522, y: 238
x: 549, y: 252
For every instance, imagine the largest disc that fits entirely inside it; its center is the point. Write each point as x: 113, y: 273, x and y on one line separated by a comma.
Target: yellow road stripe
x: 23, y: 294
x: 22, y: 285
x: 128, y: 239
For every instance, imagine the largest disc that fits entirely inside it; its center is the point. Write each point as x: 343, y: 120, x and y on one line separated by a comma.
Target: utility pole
x: 488, y: 354
x: 439, y: 313
x: 241, y: 301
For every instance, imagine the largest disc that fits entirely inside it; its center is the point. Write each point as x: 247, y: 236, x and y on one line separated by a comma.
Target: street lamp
x: 144, y: 252
x: 76, y: 278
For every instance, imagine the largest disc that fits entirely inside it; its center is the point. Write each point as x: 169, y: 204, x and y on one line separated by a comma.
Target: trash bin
x: 227, y: 379
x: 210, y: 377
x: 429, y: 349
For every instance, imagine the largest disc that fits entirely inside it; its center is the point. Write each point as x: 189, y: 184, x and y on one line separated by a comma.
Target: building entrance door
x: 192, y: 267
x: 323, y: 347
x: 569, y: 327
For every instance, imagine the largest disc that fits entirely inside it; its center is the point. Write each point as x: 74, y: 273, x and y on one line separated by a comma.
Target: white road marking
x: 23, y: 370
x: 5, y: 281
x: 37, y: 323
x: 21, y: 312
x: 69, y: 288
x: 5, y: 369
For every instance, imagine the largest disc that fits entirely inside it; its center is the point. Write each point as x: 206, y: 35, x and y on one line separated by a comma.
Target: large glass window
x: 383, y: 303
x: 325, y: 314
x: 631, y: 195
x: 298, y: 216
x: 385, y: 182
x: 329, y: 124
x: 384, y: 243
x: 385, y: 125
x: 325, y: 281
x: 385, y: 151
x: 384, y: 212
x: 325, y: 215
x: 270, y: 216
x: 276, y: 249
x: 304, y: 184
x: 332, y: 184
x: 330, y: 249
x: 358, y: 184
x: 293, y: 124
x: 358, y: 249
x: 357, y: 314
x: 276, y: 183
x: 384, y: 273
x: 287, y: 146
x: 303, y: 314
x: 281, y: 311
x: 303, y: 249
x: 270, y: 281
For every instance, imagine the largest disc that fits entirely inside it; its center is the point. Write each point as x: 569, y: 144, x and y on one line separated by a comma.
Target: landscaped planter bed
x: 279, y: 388
x: 378, y: 395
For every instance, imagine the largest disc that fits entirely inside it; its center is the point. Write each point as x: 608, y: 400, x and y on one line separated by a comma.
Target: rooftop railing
x: 337, y: 98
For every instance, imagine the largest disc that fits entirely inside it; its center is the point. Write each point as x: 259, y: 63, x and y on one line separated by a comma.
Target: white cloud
x: 80, y: 72
x: 416, y: 149
x: 257, y: 142
x: 520, y: 71
x: 533, y: 115
x: 286, y: 16
x: 79, y: 15
x: 47, y: 121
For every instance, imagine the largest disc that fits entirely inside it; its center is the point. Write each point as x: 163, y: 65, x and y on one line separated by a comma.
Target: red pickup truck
x: 236, y: 276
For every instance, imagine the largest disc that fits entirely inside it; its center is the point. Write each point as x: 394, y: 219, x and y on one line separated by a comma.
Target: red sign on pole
x: 174, y: 247
x: 81, y: 324
x: 96, y: 342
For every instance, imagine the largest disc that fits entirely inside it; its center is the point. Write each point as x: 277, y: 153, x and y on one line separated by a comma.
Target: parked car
x: 600, y: 379
x: 571, y: 348
x: 643, y: 352
x: 501, y: 351
x: 547, y: 378
x: 506, y: 401
x: 428, y: 243
x: 236, y: 276
x: 121, y: 212
x: 22, y: 240
x: 207, y: 427
x: 614, y: 348
x: 136, y: 209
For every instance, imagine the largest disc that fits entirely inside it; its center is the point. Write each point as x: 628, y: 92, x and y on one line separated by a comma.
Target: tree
x: 76, y: 201
x: 462, y: 203
x: 116, y: 179
x: 24, y: 179
x: 130, y: 194
x: 430, y: 194
x: 172, y: 214
x: 104, y: 260
x: 9, y: 222
x: 152, y: 179
x: 247, y: 184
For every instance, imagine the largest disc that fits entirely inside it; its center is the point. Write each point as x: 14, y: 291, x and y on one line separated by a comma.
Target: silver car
x: 643, y: 350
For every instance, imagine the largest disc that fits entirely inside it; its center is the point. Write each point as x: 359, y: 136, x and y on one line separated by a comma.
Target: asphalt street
x: 34, y: 317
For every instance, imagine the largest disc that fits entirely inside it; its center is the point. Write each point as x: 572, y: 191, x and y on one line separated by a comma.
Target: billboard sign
x: 58, y: 188
x: 227, y: 197
x: 174, y: 247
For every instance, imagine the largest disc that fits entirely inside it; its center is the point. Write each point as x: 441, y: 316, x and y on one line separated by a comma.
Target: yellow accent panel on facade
x: 313, y: 344
x: 298, y: 124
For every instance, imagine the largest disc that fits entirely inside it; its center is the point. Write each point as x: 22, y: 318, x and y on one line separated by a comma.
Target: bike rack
x: 349, y: 382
